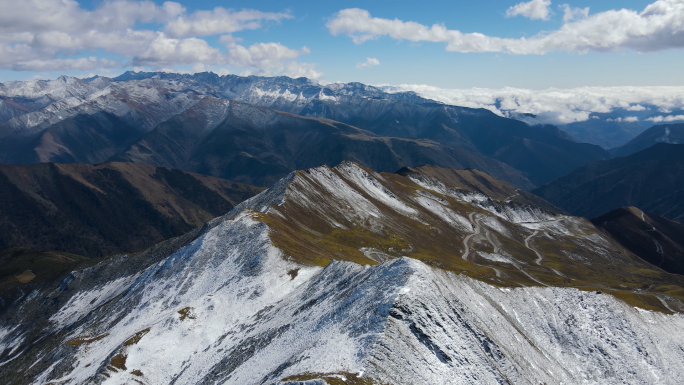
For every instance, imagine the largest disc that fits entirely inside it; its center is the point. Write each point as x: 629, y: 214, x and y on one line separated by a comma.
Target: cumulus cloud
x: 370, y: 62
x: 535, y: 9
x: 298, y: 70
x: 554, y: 106
x: 220, y: 21
x: 55, y: 35
x: 658, y: 27
x: 261, y: 55
x: 168, y: 51
x: 666, y: 119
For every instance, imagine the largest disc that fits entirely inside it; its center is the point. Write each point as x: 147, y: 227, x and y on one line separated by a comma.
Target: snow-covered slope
x: 243, y: 302
x: 144, y: 103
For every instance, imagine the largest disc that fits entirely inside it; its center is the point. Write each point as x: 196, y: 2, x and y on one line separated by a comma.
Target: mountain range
x: 392, y: 239
x: 100, y: 119
x: 347, y: 275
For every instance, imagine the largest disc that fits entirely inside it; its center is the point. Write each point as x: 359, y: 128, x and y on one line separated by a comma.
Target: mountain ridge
x: 257, y: 145
x: 144, y: 100
x: 243, y: 306
x: 662, y: 133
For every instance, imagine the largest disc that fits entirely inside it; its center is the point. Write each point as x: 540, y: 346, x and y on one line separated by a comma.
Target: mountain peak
x: 351, y: 213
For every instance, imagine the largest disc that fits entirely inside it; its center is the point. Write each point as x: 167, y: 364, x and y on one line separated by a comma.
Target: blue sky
x: 319, y: 39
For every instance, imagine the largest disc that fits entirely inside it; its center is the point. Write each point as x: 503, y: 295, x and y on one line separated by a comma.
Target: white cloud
x: 535, y: 9
x: 570, y: 13
x: 54, y: 35
x: 298, y: 70
x: 628, y: 119
x: 658, y: 27
x: 553, y: 106
x: 370, y: 62
x: 637, y: 107
x: 219, y: 21
x: 666, y: 119
x: 168, y: 51
x: 261, y: 55
x: 227, y: 39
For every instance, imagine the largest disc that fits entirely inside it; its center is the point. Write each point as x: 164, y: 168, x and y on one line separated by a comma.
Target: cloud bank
x: 660, y: 26
x: 559, y: 106
x: 666, y: 119
x: 59, y: 35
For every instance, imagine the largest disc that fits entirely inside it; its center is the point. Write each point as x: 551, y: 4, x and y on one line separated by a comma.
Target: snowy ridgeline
x: 152, y: 98
x: 229, y: 309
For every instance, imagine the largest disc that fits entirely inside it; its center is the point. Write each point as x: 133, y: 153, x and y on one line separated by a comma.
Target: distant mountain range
x: 650, y: 179
x: 257, y: 145
x: 100, y: 119
x: 607, y: 134
x: 109, y: 208
x: 657, y: 240
x: 614, y: 129
x: 664, y: 133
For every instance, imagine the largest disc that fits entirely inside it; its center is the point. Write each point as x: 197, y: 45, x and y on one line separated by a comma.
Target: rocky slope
x: 112, y: 207
x: 477, y: 181
x: 74, y: 120
x: 650, y: 179
x: 657, y: 240
x: 343, y: 274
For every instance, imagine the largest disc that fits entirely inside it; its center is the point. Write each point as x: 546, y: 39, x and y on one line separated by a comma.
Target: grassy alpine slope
x: 499, y: 241
x: 108, y: 208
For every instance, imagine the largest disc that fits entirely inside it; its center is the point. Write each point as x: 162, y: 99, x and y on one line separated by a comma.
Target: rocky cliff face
x: 343, y: 274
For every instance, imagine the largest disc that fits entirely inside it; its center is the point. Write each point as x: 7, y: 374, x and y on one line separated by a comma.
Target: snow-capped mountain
x: 43, y: 120
x: 346, y: 275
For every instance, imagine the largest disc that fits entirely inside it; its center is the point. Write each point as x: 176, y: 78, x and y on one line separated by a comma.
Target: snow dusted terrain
x: 231, y: 307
